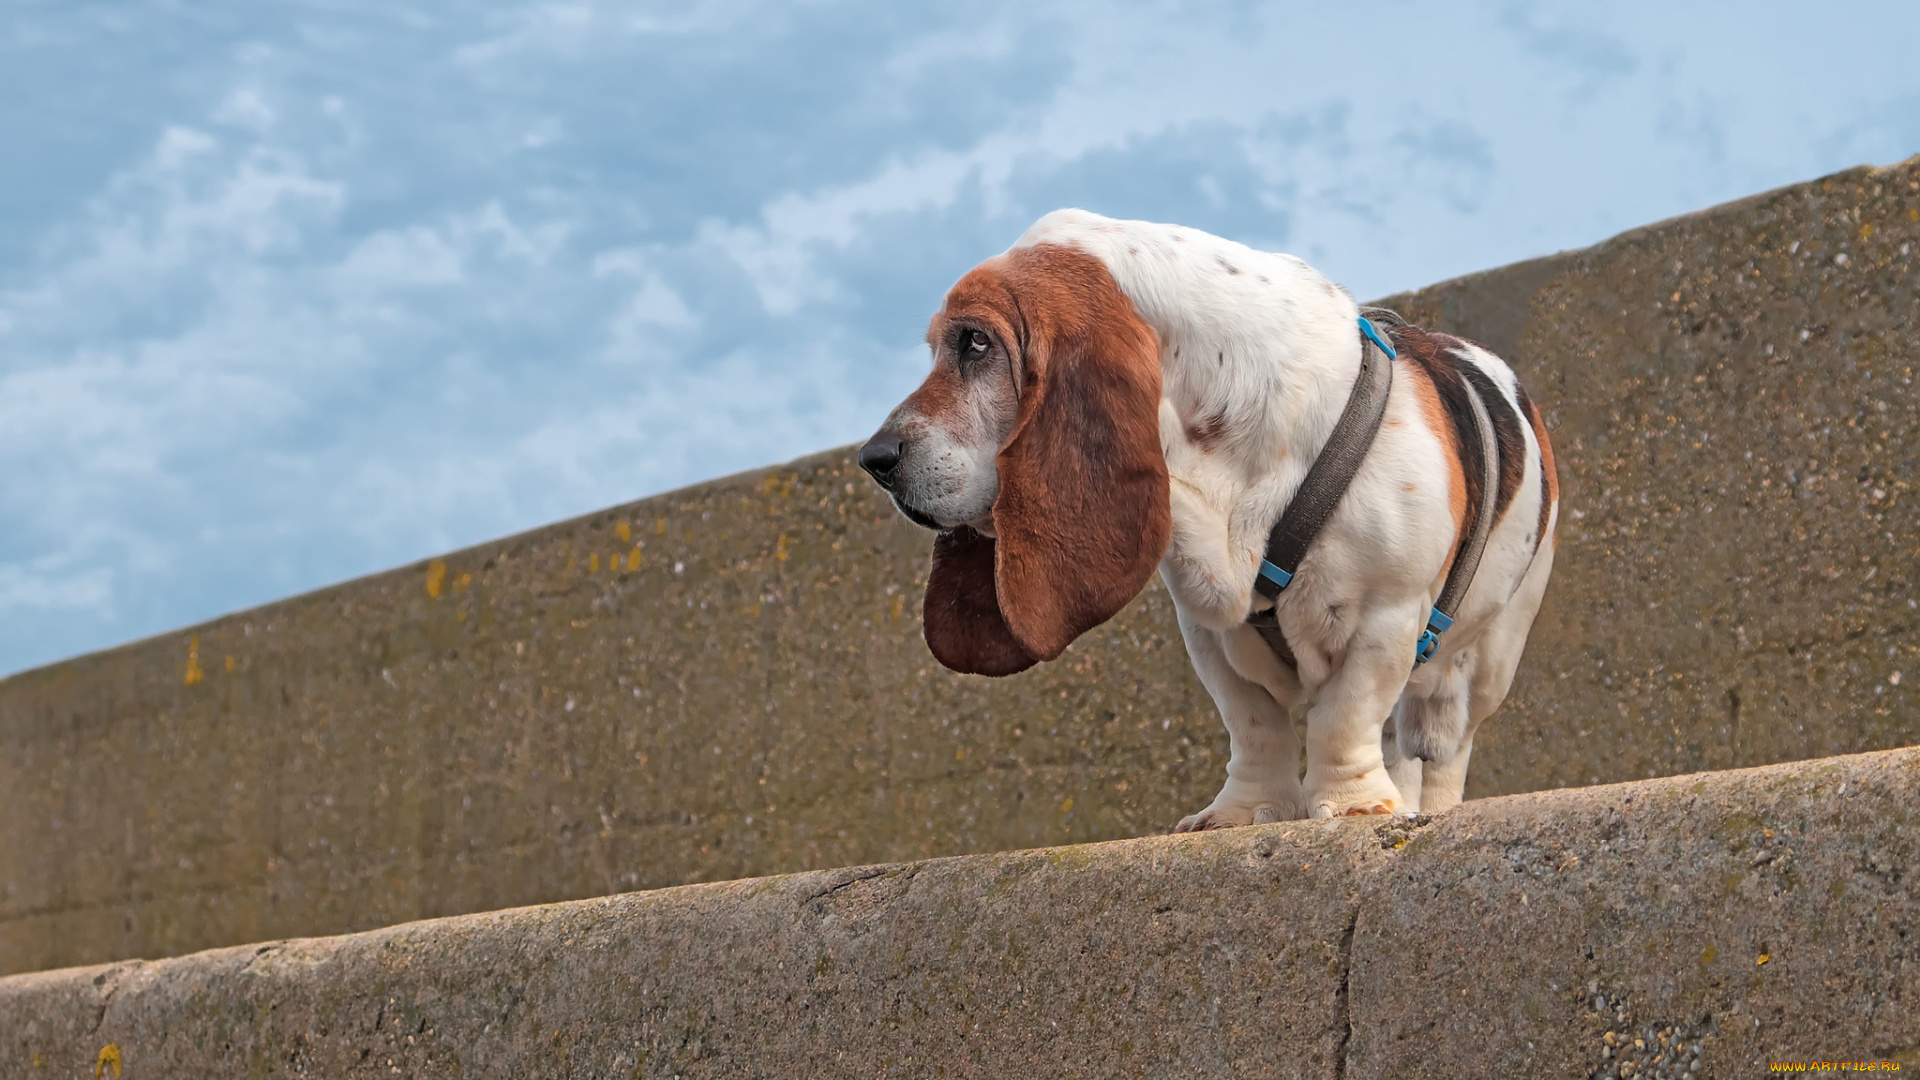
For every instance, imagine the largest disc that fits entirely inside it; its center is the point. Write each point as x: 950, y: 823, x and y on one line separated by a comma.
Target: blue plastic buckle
x: 1437, y: 624
x: 1275, y: 574
x: 1366, y: 327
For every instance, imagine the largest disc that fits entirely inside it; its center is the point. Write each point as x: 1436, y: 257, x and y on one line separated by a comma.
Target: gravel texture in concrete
x: 1700, y: 925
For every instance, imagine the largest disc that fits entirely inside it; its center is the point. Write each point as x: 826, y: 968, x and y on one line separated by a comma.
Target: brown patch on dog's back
x: 1436, y: 356
x: 1549, y: 474
x: 1435, y: 415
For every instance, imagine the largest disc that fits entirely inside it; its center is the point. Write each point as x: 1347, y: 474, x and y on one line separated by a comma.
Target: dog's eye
x: 974, y: 344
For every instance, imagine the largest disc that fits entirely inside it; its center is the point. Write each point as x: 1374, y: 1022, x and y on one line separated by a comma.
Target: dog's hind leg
x: 1263, y: 771
x: 1496, y: 656
x: 1433, y: 734
x: 1444, y: 783
x: 1431, y: 717
x: 1406, y: 772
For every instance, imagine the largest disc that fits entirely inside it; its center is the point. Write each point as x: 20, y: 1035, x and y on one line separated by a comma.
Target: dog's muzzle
x: 881, y: 456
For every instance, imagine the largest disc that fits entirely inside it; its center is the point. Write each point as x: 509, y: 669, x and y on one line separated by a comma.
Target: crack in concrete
x: 867, y: 873
x: 108, y: 983
x: 1342, y: 1002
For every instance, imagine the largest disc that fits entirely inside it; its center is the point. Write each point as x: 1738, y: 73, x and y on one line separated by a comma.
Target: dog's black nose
x: 880, y: 456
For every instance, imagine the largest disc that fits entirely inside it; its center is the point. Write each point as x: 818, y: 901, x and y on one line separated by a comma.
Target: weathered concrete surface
x: 1748, y: 915
x: 1220, y: 957
x: 1744, y: 916
x: 729, y: 680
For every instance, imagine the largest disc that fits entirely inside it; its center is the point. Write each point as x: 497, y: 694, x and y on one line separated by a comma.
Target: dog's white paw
x: 1372, y: 792
x: 1228, y: 815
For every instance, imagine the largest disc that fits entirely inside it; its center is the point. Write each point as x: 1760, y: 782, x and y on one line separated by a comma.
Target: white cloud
x: 380, y: 288
x: 43, y: 585
x: 245, y: 107
x: 656, y: 305
x: 562, y: 30
x: 398, y: 259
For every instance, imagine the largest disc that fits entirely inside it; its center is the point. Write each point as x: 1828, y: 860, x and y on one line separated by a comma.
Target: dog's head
x: 1033, y: 448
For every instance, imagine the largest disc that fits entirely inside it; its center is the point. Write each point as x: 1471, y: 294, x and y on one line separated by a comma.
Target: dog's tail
x: 1383, y: 317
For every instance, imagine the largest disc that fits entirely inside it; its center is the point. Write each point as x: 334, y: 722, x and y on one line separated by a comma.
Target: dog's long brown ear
x: 962, y: 621
x: 1082, y: 515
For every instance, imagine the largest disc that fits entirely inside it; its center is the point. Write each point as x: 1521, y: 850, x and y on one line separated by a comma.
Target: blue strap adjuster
x: 1275, y: 574
x: 1366, y: 327
x: 1437, y: 624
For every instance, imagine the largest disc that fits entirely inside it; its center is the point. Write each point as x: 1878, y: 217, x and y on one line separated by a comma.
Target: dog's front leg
x: 1263, y: 769
x: 1208, y: 575
x: 1346, y: 772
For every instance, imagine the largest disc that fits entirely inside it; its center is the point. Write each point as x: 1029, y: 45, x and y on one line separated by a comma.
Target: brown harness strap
x: 1327, y: 480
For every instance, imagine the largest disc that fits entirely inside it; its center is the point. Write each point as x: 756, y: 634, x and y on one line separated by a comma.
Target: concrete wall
x: 728, y: 681
x: 1699, y: 926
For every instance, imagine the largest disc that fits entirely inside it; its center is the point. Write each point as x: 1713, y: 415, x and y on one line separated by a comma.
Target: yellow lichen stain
x: 899, y: 604
x: 436, y: 577
x: 780, y: 548
x: 194, y: 674
x: 229, y: 665
x: 1764, y: 957
x: 781, y: 486
x: 960, y: 754
x: 624, y: 531
x: 1866, y: 230
x: 1066, y: 807
x: 1709, y: 954
x: 659, y: 526
x: 1913, y: 215
x: 109, y: 1055
x: 462, y: 583
x: 593, y: 562
x: 633, y: 560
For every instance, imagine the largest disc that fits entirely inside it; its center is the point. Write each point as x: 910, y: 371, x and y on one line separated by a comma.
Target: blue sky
x: 295, y: 292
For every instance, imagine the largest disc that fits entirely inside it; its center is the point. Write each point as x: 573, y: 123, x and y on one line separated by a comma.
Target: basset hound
x: 1111, y: 396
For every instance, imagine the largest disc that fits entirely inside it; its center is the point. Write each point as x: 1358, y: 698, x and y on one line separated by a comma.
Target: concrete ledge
x: 1744, y: 916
